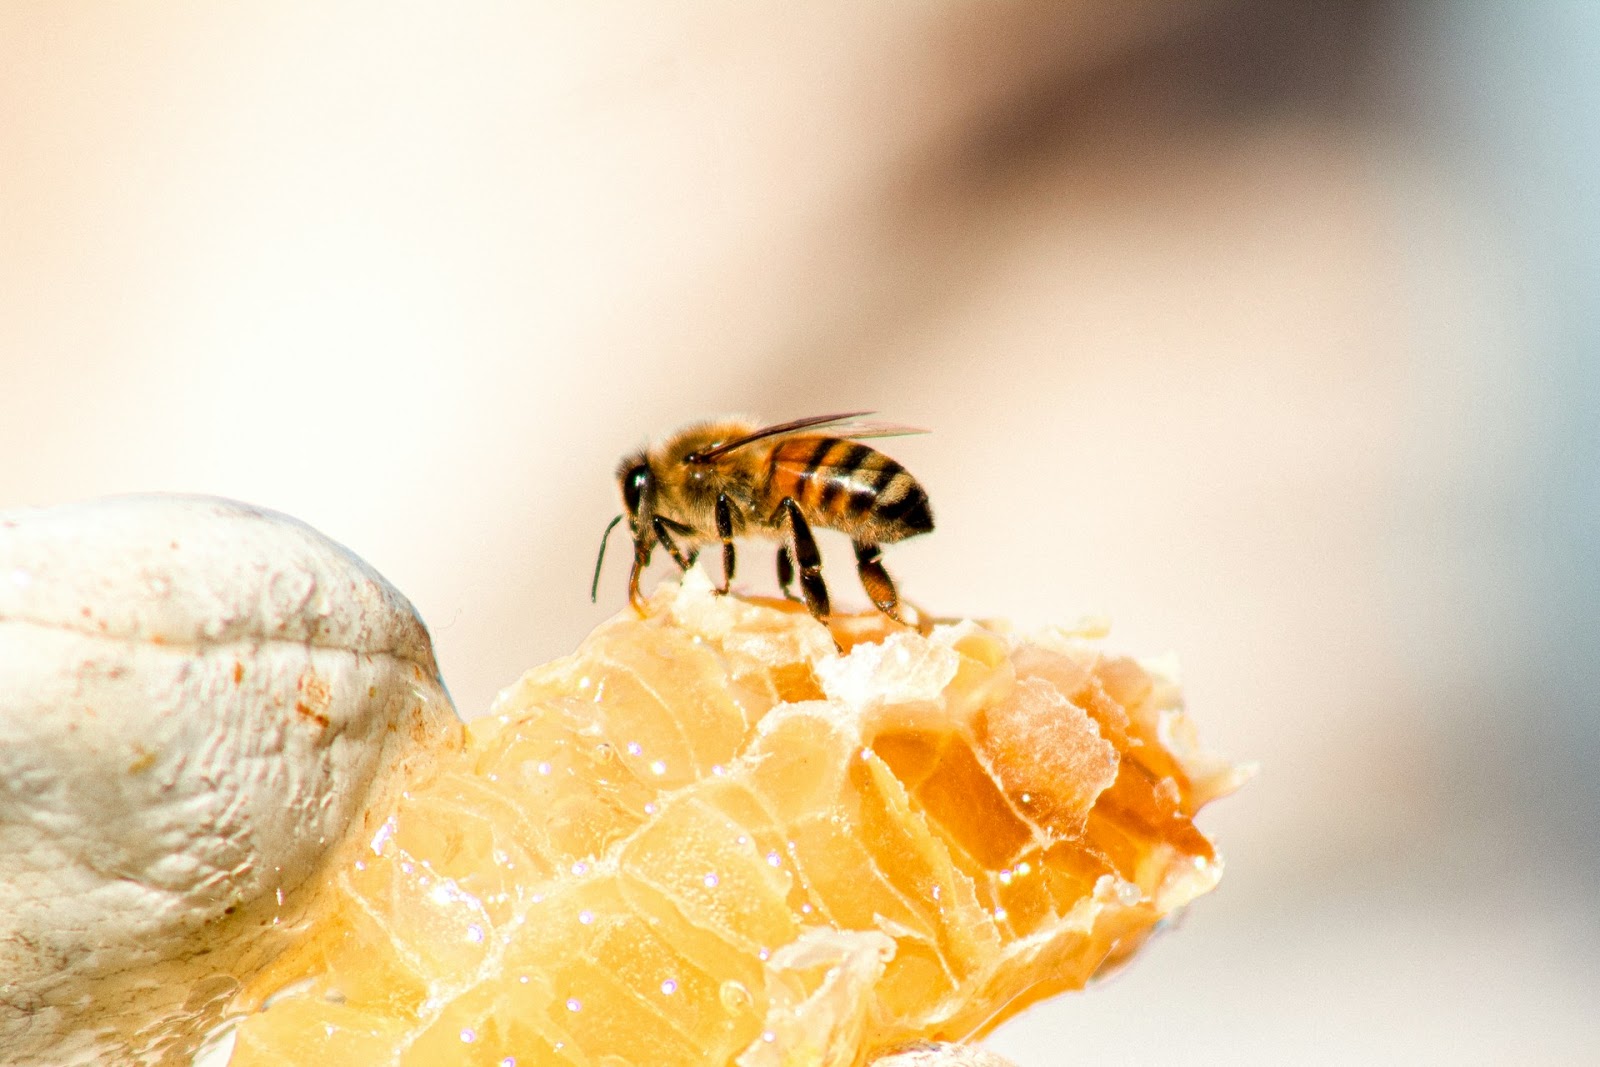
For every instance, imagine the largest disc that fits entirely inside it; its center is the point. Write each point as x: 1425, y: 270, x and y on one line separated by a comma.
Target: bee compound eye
x: 633, y: 486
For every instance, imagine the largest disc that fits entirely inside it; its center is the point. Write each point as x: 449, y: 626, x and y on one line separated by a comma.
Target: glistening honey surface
x: 707, y: 837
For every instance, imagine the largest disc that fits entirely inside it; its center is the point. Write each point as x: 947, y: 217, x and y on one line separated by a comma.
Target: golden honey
x: 710, y: 837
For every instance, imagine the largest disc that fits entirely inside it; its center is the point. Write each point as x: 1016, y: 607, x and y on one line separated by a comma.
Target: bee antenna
x: 594, y: 590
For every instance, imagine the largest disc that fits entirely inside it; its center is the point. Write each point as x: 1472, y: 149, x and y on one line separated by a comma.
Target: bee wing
x: 780, y: 430
x: 843, y: 466
x: 863, y: 431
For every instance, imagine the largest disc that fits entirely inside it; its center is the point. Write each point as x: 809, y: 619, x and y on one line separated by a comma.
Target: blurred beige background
x: 1267, y: 329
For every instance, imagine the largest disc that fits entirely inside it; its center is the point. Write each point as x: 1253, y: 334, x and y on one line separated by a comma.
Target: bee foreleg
x: 664, y: 535
x: 804, y: 547
x: 642, y: 551
x: 876, y: 581
x: 786, y: 572
x: 725, y: 531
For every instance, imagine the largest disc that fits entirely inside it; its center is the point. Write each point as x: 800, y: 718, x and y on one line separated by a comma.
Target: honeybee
x: 718, y: 481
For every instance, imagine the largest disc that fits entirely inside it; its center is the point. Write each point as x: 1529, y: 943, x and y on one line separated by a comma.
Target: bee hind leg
x: 876, y: 581
x: 804, y: 547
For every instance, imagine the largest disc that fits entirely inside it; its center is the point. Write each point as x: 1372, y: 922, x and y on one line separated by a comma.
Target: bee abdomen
x: 849, y: 486
x: 904, y: 505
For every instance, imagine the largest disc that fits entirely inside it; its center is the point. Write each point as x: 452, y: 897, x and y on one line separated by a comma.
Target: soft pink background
x: 1261, y: 328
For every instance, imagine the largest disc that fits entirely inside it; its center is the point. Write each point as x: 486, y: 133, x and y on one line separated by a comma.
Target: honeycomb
x: 722, y: 834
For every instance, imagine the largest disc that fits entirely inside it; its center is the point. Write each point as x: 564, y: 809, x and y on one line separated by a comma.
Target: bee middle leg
x: 804, y: 547
x: 725, y: 532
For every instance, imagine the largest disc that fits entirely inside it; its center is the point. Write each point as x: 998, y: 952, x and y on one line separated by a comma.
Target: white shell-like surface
x: 199, y: 700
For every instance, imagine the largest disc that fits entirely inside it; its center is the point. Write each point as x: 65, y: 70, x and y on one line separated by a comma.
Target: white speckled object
x: 197, y: 700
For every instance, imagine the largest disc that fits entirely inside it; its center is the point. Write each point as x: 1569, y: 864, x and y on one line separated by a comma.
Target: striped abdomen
x: 844, y: 485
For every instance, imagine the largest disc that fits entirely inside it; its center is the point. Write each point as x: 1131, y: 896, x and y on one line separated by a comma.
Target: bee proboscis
x: 719, y: 481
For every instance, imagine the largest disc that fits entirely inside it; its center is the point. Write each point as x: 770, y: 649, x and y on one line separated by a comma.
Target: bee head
x: 638, y: 492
